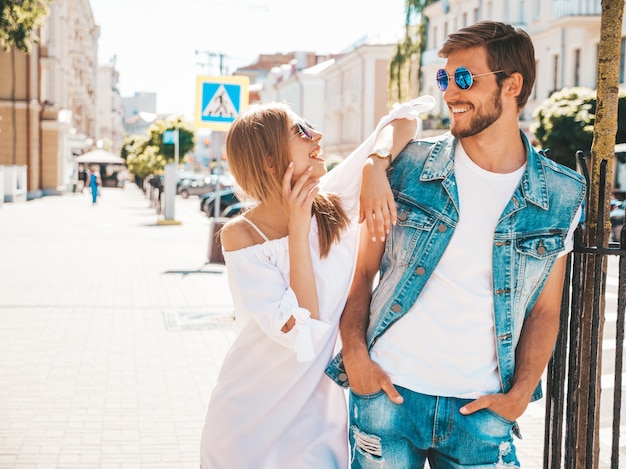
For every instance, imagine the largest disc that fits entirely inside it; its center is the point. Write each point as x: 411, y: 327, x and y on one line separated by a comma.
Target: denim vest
x: 527, y: 240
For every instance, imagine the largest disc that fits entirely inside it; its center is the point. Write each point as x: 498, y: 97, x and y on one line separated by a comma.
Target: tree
x: 565, y: 122
x: 186, y: 138
x: 409, y: 51
x: 133, y: 145
x: 145, y: 162
x: 146, y: 155
x: 19, y: 19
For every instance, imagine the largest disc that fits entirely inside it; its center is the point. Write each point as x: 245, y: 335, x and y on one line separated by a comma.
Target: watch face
x: 382, y: 153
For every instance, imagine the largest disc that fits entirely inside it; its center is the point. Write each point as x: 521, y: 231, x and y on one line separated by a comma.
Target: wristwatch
x: 383, y: 155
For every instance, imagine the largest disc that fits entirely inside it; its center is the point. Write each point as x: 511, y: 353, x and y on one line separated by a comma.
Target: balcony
x: 565, y: 8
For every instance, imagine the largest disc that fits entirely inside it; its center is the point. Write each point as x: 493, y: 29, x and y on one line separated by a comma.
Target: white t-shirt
x: 445, y: 345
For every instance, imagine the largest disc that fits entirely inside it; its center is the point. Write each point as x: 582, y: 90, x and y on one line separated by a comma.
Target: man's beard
x: 482, y: 120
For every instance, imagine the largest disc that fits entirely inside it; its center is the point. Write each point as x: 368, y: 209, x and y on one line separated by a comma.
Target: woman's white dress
x: 273, y: 407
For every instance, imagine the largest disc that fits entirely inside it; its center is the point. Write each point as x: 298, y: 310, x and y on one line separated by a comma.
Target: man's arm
x: 533, y: 352
x: 364, y: 375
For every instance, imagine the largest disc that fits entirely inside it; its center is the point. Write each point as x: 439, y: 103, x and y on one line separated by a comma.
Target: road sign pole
x: 176, y: 148
x: 171, y: 170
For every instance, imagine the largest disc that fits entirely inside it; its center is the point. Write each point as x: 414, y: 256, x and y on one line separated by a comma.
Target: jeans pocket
x: 372, y: 395
x: 506, y: 421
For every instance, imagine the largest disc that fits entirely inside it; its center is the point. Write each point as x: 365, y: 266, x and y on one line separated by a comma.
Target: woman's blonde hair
x: 258, y: 140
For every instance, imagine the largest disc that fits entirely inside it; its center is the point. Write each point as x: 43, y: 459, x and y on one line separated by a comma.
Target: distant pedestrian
x: 84, y: 175
x: 290, y: 261
x: 94, y: 184
x: 122, y: 177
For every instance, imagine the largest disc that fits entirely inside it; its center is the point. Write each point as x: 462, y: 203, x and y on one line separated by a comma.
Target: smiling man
x: 446, y: 353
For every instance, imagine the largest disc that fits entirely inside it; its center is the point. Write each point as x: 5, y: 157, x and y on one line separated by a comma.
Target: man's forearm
x: 355, y: 318
x: 533, y: 352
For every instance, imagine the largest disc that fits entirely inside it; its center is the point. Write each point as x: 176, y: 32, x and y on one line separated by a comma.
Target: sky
x: 154, y: 42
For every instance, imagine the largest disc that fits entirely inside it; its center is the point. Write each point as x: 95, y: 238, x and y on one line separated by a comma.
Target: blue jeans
x: 404, y: 436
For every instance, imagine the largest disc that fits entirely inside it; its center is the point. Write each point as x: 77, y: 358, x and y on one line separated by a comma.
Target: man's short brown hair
x: 508, y: 49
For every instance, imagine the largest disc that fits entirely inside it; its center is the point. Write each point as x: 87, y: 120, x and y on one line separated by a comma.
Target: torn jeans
x: 384, y: 435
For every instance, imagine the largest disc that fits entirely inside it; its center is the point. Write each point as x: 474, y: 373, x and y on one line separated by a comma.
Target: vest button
x: 541, y: 250
x: 343, y: 377
x: 402, y: 216
x: 420, y: 271
x: 442, y: 228
x: 396, y: 308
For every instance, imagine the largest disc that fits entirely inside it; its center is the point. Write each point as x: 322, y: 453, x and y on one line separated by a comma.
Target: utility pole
x: 211, y: 55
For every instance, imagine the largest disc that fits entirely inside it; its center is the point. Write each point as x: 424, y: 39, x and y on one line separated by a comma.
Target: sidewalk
x: 113, y: 330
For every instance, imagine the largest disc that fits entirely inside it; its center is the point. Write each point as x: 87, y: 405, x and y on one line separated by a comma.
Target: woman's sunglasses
x: 304, y: 131
x: 463, y: 78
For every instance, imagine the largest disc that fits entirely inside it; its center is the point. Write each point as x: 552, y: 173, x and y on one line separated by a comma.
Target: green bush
x: 564, y: 123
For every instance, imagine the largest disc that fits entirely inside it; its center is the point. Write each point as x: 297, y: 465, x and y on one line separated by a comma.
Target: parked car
x: 207, y: 201
x: 230, y: 205
x: 236, y: 208
x: 200, y: 185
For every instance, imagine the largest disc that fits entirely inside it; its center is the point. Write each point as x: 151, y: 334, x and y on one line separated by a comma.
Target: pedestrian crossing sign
x: 219, y: 100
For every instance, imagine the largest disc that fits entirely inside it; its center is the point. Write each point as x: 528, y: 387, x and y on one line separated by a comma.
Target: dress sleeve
x: 261, y: 293
x: 345, y: 178
x: 569, y: 240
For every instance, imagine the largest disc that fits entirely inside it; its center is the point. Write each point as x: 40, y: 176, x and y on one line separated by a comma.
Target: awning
x: 99, y: 157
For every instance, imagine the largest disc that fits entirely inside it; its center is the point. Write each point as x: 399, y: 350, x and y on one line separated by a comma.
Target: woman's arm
x: 299, y: 200
x: 377, y: 207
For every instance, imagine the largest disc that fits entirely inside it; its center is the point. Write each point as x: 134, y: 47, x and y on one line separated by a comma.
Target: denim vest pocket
x: 534, y: 258
x: 541, y: 246
x: 411, y: 230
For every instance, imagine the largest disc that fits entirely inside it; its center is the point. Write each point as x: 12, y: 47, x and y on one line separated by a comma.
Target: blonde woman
x: 290, y: 261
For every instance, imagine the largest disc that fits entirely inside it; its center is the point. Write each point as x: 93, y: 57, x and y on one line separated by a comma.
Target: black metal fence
x: 563, y: 430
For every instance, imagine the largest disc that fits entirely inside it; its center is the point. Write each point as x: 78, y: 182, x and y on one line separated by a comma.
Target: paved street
x: 112, y: 333
x: 102, y: 364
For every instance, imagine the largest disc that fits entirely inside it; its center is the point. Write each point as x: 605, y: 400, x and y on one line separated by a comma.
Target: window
x: 555, y: 72
x: 577, y: 65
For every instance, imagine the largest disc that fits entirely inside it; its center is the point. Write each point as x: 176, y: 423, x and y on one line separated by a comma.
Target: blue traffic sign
x: 220, y: 100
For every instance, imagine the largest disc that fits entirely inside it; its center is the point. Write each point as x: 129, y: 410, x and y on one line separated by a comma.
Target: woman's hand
x: 299, y: 199
x: 377, y: 206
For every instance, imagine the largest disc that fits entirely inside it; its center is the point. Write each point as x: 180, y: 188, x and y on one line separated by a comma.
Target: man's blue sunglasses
x: 463, y: 78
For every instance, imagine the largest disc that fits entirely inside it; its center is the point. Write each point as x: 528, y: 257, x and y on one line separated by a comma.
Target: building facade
x: 344, y: 96
x: 68, y: 84
x: 49, y: 107
x: 356, y: 95
x: 110, y: 114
